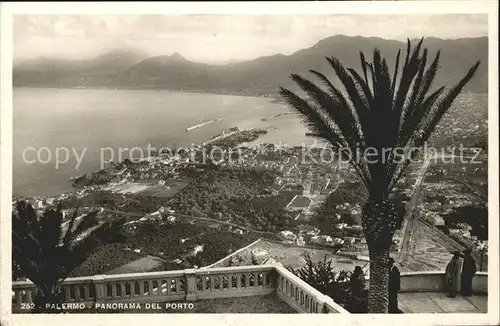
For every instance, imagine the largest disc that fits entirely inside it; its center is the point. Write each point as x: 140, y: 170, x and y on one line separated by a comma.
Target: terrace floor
x: 409, y: 302
x: 268, y: 304
x: 413, y: 302
x: 438, y: 302
x: 259, y: 304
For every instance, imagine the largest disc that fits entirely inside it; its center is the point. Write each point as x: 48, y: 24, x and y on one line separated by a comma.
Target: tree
x: 321, y: 276
x: 45, y: 250
x: 383, y: 121
x: 254, y: 259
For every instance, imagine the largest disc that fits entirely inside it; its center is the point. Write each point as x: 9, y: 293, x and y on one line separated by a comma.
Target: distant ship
x: 203, y: 124
x: 276, y: 115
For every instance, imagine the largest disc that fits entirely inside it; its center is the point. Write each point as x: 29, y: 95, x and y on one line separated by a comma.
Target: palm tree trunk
x: 47, y: 300
x: 378, y: 298
x: 379, y: 225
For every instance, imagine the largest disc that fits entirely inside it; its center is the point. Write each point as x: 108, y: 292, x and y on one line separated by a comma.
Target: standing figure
x: 394, y: 287
x: 468, y: 271
x: 358, y: 302
x: 453, y: 274
x: 357, y: 282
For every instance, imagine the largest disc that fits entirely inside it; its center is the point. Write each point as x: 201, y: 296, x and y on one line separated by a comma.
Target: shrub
x: 336, y: 285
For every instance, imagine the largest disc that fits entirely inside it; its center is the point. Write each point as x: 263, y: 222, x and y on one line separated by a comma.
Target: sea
x: 83, y: 128
x: 93, y: 125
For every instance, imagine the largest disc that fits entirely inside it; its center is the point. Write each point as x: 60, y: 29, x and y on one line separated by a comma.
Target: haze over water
x: 95, y: 119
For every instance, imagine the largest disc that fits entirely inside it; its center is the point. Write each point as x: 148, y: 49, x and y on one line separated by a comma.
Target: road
x: 410, y: 218
x: 192, y: 218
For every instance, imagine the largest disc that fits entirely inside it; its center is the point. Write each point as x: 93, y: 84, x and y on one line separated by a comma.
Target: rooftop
x: 290, y: 255
x: 245, y: 289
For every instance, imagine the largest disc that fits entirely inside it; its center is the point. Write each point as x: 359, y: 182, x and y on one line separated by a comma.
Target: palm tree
x: 47, y: 250
x: 382, y: 113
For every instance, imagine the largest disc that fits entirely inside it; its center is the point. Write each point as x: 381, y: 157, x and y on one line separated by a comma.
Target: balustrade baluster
x: 113, y: 291
x: 229, y: 282
x: 121, y: 286
x: 19, y: 298
x: 128, y: 289
x: 168, y: 285
x: 29, y: 297
x: 178, y: 286
x: 109, y: 290
x: 157, y: 286
x: 238, y: 281
x: 160, y: 287
x: 67, y: 293
x: 86, y: 290
x: 150, y: 288
x: 77, y: 292
x: 141, y: 288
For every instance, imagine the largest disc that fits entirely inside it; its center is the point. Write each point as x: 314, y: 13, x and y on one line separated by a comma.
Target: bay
x: 92, y: 120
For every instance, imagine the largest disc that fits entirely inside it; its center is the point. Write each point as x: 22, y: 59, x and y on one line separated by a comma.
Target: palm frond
x: 50, y: 227
x: 363, y: 66
x: 410, y: 126
x: 29, y: 217
x: 362, y: 86
x: 428, y: 79
x: 410, y: 69
x: 69, y: 231
x: 395, y: 76
x: 443, y: 105
x: 88, y: 221
x: 411, y: 104
x: 334, y: 107
x: 313, y: 119
x: 382, y: 106
x: 422, y: 105
x: 321, y: 126
x: 87, y: 243
x: 362, y: 110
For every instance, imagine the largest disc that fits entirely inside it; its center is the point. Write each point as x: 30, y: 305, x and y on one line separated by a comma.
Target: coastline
x: 251, y: 132
x: 149, y: 92
x: 273, y: 98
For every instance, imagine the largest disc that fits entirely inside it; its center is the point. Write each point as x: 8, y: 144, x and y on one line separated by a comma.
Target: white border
x: 281, y: 8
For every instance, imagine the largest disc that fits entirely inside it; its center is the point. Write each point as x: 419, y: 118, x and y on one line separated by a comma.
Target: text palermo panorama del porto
x: 153, y: 306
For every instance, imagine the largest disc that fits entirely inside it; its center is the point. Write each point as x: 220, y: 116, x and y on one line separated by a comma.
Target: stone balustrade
x: 212, y: 283
x: 301, y: 296
x: 432, y: 281
x: 190, y: 285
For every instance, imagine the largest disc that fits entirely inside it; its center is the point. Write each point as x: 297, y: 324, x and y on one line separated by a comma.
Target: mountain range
x: 132, y: 69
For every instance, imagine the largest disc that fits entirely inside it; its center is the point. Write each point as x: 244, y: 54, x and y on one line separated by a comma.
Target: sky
x: 219, y: 38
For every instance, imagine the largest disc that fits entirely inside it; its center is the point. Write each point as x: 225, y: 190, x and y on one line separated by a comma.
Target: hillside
x: 253, y: 77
